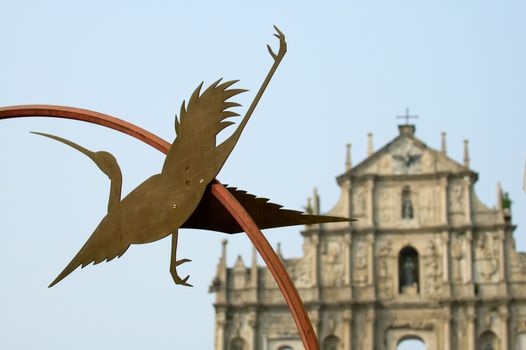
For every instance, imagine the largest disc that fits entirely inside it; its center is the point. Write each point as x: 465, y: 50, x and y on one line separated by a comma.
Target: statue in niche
x: 409, y: 272
x: 488, y: 346
x: 457, y: 252
x: 407, y: 205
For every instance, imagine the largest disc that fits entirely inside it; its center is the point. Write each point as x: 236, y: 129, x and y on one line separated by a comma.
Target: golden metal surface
x: 147, y: 213
x: 185, y: 193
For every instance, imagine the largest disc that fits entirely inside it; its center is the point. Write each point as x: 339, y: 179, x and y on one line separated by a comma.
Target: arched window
x: 285, y: 347
x: 408, y: 271
x: 237, y: 344
x: 411, y: 343
x: 488, y: 341
x: 332, y: 342
x: 407, y: 204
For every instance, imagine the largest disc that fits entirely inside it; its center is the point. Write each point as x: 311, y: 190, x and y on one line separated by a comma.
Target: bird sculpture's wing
x: 107, y: 241
x: 196, y: 129
x: 211, y: 215
x: 195, y: 150
x: 102, y: 245
x: 110, y: 239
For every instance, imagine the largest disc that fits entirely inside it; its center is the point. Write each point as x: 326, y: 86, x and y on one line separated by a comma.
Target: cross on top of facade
x: 407, y: 116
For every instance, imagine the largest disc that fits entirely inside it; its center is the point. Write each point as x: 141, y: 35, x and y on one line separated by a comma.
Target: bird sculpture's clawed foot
x: 174, y: 263
x: 175, y: 275
x: 282, y: 46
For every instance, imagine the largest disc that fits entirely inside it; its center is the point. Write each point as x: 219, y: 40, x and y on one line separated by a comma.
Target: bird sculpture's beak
x: 79, y: 148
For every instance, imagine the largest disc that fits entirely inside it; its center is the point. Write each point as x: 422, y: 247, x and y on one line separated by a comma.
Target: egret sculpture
x: 177, y: 196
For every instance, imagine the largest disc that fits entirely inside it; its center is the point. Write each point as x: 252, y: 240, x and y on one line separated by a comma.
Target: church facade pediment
x: 425, y: 259
x: 405, y: 155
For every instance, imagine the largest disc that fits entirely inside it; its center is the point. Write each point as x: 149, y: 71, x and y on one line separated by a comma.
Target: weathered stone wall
x: 419, y: 220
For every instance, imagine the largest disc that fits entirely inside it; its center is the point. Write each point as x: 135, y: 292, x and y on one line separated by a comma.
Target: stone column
x: 467, y: 199
x: 369, y: 329
x: 346, y: 193
x: 347, y: 329
x: 314, y: 315
x: 443, y: 200
x: 469, y: 257
x: 447, y: 330
x: 445, y: 256
x: 370, y: 261
x: 503, y: 288
x: 315, y: 244
x: 504, y: 318
x: 220, y: 330
x: 252, y: 319
x: 470, y: 329
x: 222, y: 276
x: 253, y: 283
x: 446, y: 274
x: 370, y: 202
x: 347, y: 249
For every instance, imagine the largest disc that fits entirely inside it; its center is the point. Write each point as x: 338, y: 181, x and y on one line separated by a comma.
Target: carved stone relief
x: 520, y: 324
x: 406, y: 159
x: 432, y: 270
x: 460, y: 328
x: 385, y: 165
x: 428, y: 162
x: 359, y: 330
x: 359, y: 204
x: 517, y: 265
x: 300, y: 270
x: 488, y: 319
x: 456, y: 198
x: 279, y: 325
x: 332, y: 263
x: 487, y: 256
x: 458, y: 253
x: 416, y: 324
x: 428, y: 209
x: 360, y: 263
x: 375, y: 271
x: 386, y: 207
x: 385, y: 278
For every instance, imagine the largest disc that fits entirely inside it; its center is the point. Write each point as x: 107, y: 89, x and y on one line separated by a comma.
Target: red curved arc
x: 296, y: 306
x: 88, y: 116
x: 273, y: 263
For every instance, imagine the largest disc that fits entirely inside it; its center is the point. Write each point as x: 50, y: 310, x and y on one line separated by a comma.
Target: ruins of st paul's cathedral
x: 425, y: 259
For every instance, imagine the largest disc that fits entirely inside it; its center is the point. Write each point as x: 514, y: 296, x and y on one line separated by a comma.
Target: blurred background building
x: 425, y: 260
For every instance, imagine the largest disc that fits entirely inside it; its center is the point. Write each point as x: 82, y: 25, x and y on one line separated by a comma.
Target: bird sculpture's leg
x: 228, y: 145
x: 174, y: 263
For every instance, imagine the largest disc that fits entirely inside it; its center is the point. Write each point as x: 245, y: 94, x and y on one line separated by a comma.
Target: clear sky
x: 351, y: 68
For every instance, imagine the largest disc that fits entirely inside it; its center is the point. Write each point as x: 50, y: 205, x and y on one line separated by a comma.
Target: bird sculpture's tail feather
x: 88, y: 254
x: 72, y: 266
x: 210, y: 214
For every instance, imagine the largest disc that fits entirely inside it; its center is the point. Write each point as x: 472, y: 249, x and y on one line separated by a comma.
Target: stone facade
x: 425, y: 259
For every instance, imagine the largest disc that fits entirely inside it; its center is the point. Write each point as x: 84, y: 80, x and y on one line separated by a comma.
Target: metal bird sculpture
x: 179, y: 196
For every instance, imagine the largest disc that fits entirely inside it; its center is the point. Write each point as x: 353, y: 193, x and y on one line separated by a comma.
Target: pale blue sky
x: 351, y: 67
